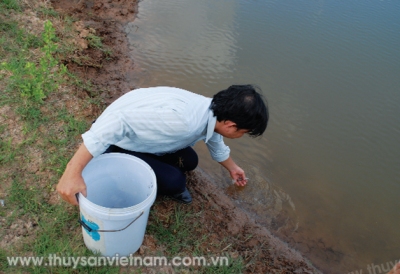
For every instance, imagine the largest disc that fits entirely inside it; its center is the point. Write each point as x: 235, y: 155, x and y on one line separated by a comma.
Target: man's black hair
x: 243, y: 105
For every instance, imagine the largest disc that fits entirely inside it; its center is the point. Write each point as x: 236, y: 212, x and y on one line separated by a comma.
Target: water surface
x: 325, y: 177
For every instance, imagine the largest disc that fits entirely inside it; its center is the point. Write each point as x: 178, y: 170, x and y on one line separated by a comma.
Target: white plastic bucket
x: 120, y: 191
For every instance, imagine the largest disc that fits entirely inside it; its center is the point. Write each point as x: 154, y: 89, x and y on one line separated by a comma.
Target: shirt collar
x: 212, y: 120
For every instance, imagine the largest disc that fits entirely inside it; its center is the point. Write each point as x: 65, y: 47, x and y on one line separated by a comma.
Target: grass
x: 177, y: 230
x: 174, y: 233
x: 7, y: 153
x: 39, y: 133
x: 38, y: 136
x: 10, y: 4
x: 37, y: 78
x: 96, y: 42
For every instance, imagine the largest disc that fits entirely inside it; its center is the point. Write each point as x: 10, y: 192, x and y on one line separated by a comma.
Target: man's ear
x: 229, y: 123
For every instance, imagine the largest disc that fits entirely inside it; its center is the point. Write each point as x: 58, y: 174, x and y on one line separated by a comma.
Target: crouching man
x: 160, y: 125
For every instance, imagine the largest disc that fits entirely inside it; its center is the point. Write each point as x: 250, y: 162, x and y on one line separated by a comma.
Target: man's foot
x: 184, y: 197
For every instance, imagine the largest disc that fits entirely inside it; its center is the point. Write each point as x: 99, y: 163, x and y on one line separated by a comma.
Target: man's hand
x: 237, y: 174
x: 396, y: 269
x: 72, y: 181
x: 69, y: 185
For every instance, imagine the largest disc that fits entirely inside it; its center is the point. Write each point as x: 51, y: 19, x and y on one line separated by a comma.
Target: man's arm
x: 236, y: 172
x: 72, y: 181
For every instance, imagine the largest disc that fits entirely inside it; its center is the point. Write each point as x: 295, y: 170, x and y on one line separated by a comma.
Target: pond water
x: 325, y: 177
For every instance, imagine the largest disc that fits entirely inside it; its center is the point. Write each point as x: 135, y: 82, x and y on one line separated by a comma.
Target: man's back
x: 154, y: 120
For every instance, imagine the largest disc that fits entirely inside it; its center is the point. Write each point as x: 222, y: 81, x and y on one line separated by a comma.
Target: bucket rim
x: 148, y: 201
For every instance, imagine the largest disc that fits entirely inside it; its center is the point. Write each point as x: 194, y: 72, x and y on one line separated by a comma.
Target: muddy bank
x: 111, y: 74
x: 224, y: 217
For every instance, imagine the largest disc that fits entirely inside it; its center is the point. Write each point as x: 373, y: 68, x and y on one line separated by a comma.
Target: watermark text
x: 382, y: 268
x: 54, y: 260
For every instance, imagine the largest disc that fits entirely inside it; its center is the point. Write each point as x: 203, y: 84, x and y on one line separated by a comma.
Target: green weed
x: 96, y: 42
x: 35, y: 81
x: 234, y: 266
x: 7, y: 151
x: 25, y: 198
x: 47, y: 12
x: 176, y: 234
x: 3, y: 259
x: 10, y: 4
x: 8, y: 27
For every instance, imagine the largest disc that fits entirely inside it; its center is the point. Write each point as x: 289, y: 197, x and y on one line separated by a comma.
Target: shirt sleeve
x: 107, y: 130
x: 218, y: 150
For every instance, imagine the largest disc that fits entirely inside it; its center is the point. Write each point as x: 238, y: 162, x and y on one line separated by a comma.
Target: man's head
x: 241, y: 107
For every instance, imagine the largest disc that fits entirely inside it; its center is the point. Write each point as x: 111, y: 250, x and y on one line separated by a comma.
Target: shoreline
x: 238, y: 221
x: 113, y: 78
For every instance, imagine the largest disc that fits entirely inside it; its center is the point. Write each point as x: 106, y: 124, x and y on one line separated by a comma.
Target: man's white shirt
x: 156, y: 120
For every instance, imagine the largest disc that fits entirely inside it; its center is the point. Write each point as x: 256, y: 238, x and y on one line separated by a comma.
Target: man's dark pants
x: 169, y: 168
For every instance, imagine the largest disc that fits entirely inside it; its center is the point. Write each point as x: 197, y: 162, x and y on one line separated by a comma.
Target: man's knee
x: 190, y: 159
x: 171, y: 182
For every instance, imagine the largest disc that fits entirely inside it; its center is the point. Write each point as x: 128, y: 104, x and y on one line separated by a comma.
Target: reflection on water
x: 208, y: 46
x: 325, y: 176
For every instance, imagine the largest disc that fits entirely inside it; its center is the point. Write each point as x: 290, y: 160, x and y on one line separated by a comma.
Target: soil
x: 223, y: 217
x: 110, y: 74
x: 112, y: 77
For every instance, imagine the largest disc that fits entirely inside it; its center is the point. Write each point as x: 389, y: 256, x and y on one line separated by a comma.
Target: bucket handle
x: 88, y: 228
